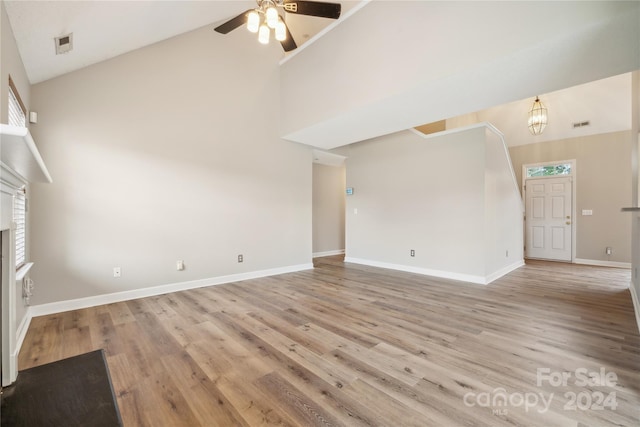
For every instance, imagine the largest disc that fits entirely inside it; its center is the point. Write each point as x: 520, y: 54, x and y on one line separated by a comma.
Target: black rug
x: 70, y: 392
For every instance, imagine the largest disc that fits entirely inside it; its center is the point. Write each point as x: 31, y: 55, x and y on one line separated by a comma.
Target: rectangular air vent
x: 64, y: 43
x: 581, y: 124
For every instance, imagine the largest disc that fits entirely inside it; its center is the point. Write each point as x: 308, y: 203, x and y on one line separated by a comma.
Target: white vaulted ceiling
x: 102, y: 29
x: 605, y: 104
x: 105, y: 29
x: 368, y: 82
x: 446, y: 59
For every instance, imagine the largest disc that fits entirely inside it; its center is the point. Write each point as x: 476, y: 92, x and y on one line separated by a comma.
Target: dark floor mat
x: 72, y: 392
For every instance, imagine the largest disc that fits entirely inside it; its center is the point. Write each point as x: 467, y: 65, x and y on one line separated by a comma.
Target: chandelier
x: 537, y: 117
x: 264, y: 19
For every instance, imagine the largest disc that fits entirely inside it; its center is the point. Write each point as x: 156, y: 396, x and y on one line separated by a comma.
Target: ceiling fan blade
x: 233, y: 23
x: 289, y: 43
x: 313, y: 8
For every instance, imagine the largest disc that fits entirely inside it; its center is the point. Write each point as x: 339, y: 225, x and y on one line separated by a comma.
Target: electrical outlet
x: 608, y: 250
x: 240, y: 258
x: 180, y: 265
x: 116, y: 272
x: 413, y: 252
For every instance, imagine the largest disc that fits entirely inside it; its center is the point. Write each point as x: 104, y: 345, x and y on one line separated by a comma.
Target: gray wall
x: 328, y: 208
x: 450, y: 197
x: 603, y: 171
x: 167, y: 153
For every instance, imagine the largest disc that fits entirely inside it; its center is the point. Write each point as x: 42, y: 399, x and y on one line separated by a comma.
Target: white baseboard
x: 440, y: 273
x: 22, y: 330
x: 601, y: 263
x: 328, y: 253
x: 636, y: 303
x: 76, y: 304
x: 504, y: 271
x: 425, y: 271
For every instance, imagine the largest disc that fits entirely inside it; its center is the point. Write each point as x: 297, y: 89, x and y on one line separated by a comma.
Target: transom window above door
x: 548, y: 170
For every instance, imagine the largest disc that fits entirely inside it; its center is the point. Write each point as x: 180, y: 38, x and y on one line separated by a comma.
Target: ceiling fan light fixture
x: 263, y: 34
x: 266, y: 16
x: 537, y: 117
x: 272, y: 17
x: 281, y: 31
x: 253, y: 21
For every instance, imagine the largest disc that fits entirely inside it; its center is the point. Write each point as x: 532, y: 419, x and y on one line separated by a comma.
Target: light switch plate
x: 587, y: 212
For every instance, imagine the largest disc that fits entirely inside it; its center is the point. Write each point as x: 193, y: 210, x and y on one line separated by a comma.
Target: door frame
x: 574, y: 209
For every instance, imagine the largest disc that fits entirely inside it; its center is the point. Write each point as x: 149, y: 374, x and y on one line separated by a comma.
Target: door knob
x: 568, y: 216
x: 568, y: 222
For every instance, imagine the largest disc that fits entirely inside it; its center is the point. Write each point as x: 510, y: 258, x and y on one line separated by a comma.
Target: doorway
x: 328, y: 211
x: 549, y: 211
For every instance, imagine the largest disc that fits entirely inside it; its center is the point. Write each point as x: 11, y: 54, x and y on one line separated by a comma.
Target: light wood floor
x: 352, y: 345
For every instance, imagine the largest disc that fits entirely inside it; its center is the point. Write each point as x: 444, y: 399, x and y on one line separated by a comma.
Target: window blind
x: 17, y: 116
x: 20, y: 218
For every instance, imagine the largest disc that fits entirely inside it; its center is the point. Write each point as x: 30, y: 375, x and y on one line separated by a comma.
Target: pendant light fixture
x: 537, y: 117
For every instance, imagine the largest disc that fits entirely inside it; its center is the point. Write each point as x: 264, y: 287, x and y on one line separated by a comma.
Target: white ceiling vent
x: 64, y: 43
x: 581, y: 124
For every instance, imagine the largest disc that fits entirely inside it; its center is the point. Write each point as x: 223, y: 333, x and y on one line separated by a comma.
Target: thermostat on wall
x: 349, y: 191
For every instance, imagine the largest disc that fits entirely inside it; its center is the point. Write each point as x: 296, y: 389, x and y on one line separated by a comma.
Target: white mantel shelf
x: 19, y: 153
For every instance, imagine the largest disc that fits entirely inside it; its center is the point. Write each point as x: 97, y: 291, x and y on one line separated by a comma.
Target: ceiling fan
x: 266, y: 17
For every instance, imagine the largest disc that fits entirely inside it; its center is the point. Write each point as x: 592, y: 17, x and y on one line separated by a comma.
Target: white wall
x: 328, y: 208
x: 439, y: 196
x: 448, y: 59
x: 168, y: 153
x: 503, y: 208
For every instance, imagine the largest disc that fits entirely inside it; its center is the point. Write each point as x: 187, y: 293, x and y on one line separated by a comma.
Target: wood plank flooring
x: 359, y: 346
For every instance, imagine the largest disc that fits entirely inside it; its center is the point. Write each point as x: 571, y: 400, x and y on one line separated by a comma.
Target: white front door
x: 548, y: 218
